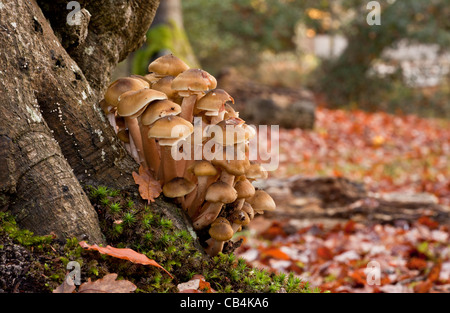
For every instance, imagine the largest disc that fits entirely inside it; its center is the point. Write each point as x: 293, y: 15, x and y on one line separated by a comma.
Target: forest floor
x: 388, y: 154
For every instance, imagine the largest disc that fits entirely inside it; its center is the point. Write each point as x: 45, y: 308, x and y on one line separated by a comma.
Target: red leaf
x: 324, y: 253
x: 274, y: 253
x: 123, y: 253
x: 149, y: 188
x: 425, y: 220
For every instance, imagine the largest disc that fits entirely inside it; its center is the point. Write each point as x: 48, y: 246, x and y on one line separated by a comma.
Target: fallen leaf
x: 107, y: 284
x: 274, y: 253
x: 435, y: 271
x: 67, y: 286
x: 423, y: 287
x: 149, y: 187
x: 123, y: 253
x: 416, y: 264
x: 196, y: 284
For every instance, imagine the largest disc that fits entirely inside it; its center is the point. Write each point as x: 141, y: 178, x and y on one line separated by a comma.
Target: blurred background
x: 327, y: 47
x: 364, y: 127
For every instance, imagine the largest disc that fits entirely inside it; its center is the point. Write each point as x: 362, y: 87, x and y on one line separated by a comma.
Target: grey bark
x: 52, y: 133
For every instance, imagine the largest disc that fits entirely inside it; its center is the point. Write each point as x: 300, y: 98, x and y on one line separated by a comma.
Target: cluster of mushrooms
x: 152, y: 114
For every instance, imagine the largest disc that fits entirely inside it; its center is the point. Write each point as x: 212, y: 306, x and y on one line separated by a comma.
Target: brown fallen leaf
x: 107, y: 284
x: 197, y: 284
x: 149, y: 187
x: 123, y: 253
x: 67, y: 286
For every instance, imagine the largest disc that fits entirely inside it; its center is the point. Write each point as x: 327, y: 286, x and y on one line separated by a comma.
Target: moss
x: 144, y: 230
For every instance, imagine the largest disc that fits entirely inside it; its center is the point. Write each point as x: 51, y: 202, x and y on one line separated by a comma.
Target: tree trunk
x: 53, y: 136
x: 166, y: 35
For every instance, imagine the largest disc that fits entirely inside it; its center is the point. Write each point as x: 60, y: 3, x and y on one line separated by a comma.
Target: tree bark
x: 53, y: 135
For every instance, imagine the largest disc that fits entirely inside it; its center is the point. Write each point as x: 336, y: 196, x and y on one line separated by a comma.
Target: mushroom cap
x: 171, y: 127
x: 220, y: 192
x: 256, y: 171
x: 261, y: 201
x: 214, y: 101
x: 230, y: 112
x: 230, y: 132
x: 193, y: 81
x: 167, y: 65
x: 202, y: 168
x: 165, y: 85
x: 106, y: 107
x: 234, y: 166
x: 133, y: 103
x: 221, y: 229
x: 121, y: 85
x: 158, y: 109
x: 142, y: 79
x: 239, y: 217
x: 178, y: 187
x: 244, y: 189
x: 247, y: 208
x: 151, y: 78
x: 123, y: 135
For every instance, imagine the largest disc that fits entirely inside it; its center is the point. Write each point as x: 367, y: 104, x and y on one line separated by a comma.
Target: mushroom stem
x: 135, y: 137
x: 182, y: 201
x: 218, y: 118
x: 227, y: 177
x: 235, y: 227
x: 111, y: 116
x: 214, y: 247
x: 168, y: 164
x: 190, y: 198
x: 187, y: 107
x: 199, y: 195
x: 208, y: 216
x: 238, y: 204
x: 150, y: 149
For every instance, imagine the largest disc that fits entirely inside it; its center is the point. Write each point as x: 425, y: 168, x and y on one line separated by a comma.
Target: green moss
x: 144, y: 230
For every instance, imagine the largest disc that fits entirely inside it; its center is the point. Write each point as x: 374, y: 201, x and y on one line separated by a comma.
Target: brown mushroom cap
x: 230, y: 112
x: 133, y: 103
x: 151, y: 78
x: 142, y: 79
x: 244, y: 189
x: 247, y: 208
x: 171, y: 127
x: 220, y: 192
x: 229, y: 132
x: 202, y: 168
x: 165, y: 85
x: 239, y: 217
x: 262, y: 201
x: 178, y: 187
x: 193, y: 81
x: 123, y: 135
x: 159, y: 109
x: 214, y: 101
x: 255, y: 171
x: 167, y: 65
x: 234, y: 167
x: 121, y: 85
x: 221, y: 230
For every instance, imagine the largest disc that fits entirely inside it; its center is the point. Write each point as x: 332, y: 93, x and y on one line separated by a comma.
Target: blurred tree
x: 166, y: 35
x: 239, y: 30
x: 348, y: 80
